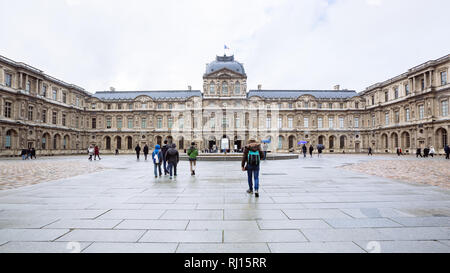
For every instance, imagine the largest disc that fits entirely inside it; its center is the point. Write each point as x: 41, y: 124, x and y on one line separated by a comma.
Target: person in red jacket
x: 96, y: 153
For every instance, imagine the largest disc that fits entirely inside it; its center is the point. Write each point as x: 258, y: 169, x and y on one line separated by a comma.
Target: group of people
x: 28, y: 153
x: 311, y: 150
x: 426, y: 152
x: 94, y: 151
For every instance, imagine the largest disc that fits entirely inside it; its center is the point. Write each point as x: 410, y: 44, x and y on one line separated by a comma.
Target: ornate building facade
x: 407, y: 111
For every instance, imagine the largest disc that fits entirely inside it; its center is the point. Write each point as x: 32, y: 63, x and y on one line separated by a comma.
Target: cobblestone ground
x: 430, y: 171
x: 19, y: 173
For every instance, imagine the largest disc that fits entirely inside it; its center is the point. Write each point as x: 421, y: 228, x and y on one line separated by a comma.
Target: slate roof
x: 157, y: 95
x: 293, y: 94
x: 225, y: 62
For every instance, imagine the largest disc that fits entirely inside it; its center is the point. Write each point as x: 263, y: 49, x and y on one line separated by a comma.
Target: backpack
x: 156, y: 158
x: 253, y: 158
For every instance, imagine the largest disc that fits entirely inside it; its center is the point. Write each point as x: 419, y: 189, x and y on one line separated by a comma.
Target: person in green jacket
x: 192, y: 153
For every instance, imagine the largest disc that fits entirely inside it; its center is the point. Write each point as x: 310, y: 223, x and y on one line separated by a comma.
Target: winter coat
x: 192, y: 152
x: 157, y: 151
x: 304, y: 149
x: 96, y: 150
x: 164, y: 149
x: 137, y: 149
x: 172, y: 156
x: 251, y: 147
x: 146, y: 149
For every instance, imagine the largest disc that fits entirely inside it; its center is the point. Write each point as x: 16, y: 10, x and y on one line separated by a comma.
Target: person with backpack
x: 164, y: 149
x: 138, y: 151
x: 251, y: 163
x: 157, y: 158
x: 172, y: 157
x: 145, y: 151
x: 192, y: 153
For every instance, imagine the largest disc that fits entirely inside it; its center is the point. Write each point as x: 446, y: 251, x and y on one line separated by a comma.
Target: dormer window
x: 224, y: 88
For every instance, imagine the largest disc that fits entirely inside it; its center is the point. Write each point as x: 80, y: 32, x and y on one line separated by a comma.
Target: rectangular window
x: 93, y: 106
x: 306, y: 104
x: 77, y: 122
x: 386, y: 96
x: 290, y: 105
x: 406, y: 89
x: 330, y: 122
x: 108, y: 106
x: 30, y: 112
x: 8, y: 142
x: 170, y: 123
x: 28, y: 87
x: 290, y: 122
x: 119, y: 106
x: 54, y: 116
x: 130, y: 123
x: 421, y: 112
x: 144, y: 106
x: 144, y: 123
x: 159, y: 123
x: 130, y: 106
x: 119, y: 123
x: 211, y: 89
x: 212, y: 122
x: 356, y: 105
x: 64, y: 97
x: 444, y: 78
x: 181, y: 123
x: 305, y: 122
x: 373, y: 100
x: 55, y: 94
x: 330, y: 105
x: 396, y: 92
x: 44, y: 116
x: 356, y: 122
x: 319, y: 105
x: 224, y: 122
x: 44, y: 91
x: 108, y: 123
x: 386, y: 118
x: 319, y: 123
x: 444, y: 108
x: 237, y: 123
x: 170, y: 106
x: 8, y: 79
x: 407, y: 115
x: 397, y: 116
x: 159, y: 106
x: 341, y: 122
x: 8, y: 107
x: 64, y: 120
x: 94, y: 123
x: 422, y: 84
x: 373, y: 121
x: 77, y: 102
x: 280, y: 123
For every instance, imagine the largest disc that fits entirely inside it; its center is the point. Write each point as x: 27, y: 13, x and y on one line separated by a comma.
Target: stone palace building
x: 55, y: 117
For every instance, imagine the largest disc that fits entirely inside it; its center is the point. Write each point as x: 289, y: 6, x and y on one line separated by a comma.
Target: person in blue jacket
x: 157, y: 158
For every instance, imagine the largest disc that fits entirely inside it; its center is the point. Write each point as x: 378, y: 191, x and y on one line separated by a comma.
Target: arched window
x: 237, y: 88
x: 8, y: 140
x: 224, y: 88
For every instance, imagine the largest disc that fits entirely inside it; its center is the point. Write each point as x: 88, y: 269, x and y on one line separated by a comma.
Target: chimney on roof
x: 112, y: 89
x: 259, y: 86
x: 189, y: 88
x: 337, y: 87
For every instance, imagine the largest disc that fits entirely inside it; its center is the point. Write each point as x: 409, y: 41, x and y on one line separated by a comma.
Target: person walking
x: 311, y: 150
x: 251, y: 163
x: 33, y: 153
x: 265, y: 147
x: 398, y: 151
x: 419, y: 152
x: 23, y: 154
x: 370, y: 151
x: 90, y: 152
x: 157, y: 158
x: 304, y: 150
x: 172, y: 157
x: 97, y: 153
x: 447, y: 152
x: 138, y: 151
x: 145, y: 151
x: 426, y: 151
x: 192, y: 153
x: 432, y: 151
x: 164, y: 149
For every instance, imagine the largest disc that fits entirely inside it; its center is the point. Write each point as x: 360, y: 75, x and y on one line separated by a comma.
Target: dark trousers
x: 137, y: 154
x: 253, y: 171
x: 145, y: 155
x: 174, y: 167
x: 265, y: 155
x: 165, y: 166
x: 157, y: 167
x: 95, y: 156
x: 447, y: 155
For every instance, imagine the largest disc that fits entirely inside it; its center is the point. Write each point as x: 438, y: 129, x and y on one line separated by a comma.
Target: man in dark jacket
x: 145, y: 151
x: 426, y: 150
x: 172, y: 157
x: 447, y: 152
x: 311, y: 149
x: 164, y: 149
x: 418, y: 152
x: 250, y: 163
x: 304, y: 150
x: 138, y: 151
x: 33, y: 153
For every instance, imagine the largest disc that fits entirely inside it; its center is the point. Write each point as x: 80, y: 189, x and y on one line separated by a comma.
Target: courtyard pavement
x: 306, y: 205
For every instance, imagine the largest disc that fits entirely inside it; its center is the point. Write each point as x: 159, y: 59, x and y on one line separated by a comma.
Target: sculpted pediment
x: 224, y: 73
x: 143, y: 98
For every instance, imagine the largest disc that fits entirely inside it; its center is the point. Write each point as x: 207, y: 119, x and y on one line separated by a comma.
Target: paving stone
x: 132, y: 214
x: 84, y: 224
x: 316, y: 214
x: 423, y: 221
x: 223, y: 248
x: 42, y: 247
x: 251, y: 236
x: 222, y: 225
x: 344, y: 235
x: 416, y: 233
x: 254, y: 214
x: 131, y: 248
x: 191, y: 236
x: 405, y: 247
x: 97, y: 235
x: 362, y: 223
x: 316, y: 247
x: 153, y: 224
x: 375, y: 213
x: 193, y: 214
x: 26, y: 222
x: 292, y: 224
x: 32, y: 235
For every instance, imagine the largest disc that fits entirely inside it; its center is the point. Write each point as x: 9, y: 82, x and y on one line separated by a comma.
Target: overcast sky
x: 165, y: 45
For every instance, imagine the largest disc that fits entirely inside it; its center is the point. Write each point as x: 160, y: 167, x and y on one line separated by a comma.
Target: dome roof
x: 227, y: 62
